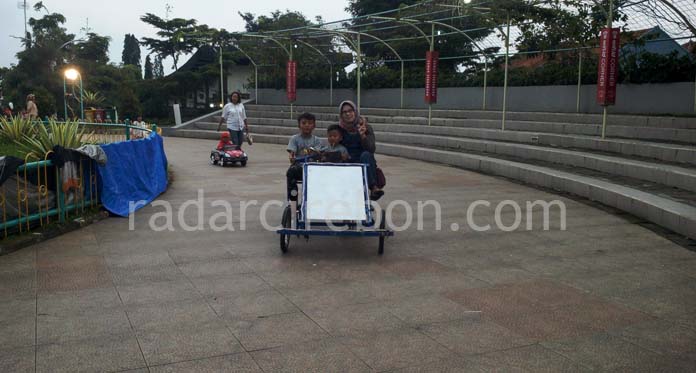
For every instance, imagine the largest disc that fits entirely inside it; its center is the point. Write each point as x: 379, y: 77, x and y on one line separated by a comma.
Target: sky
x: 117, y: 18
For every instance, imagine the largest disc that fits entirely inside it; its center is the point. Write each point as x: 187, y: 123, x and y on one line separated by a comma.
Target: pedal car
x: 229, y: 155
x: 334, y: 201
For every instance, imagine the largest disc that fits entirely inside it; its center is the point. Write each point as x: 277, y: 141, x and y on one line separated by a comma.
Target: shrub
x: 16, y: 128
x: 67, y: 135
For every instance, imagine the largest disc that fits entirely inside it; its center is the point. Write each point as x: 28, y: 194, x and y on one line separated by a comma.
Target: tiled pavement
x: 606, y: 294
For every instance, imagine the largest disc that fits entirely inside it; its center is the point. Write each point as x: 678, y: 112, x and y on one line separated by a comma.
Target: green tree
x: 157, y: 68
x: 148, y: 68
x: 415, y: 47
x: 131, y: 51
x: 47, y: 49
x: 312, y: 69
x: 171, y: 33
x: 92, y: 51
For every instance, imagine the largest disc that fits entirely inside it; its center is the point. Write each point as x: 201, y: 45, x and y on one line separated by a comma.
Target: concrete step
x: 669, y: 152
x: 659, y: 208
x: 667, y: 212
x: 422, y: 118
x: 664, y: 174
x: 613, y: 119
x: 679, y: 136
x: 660, y: 173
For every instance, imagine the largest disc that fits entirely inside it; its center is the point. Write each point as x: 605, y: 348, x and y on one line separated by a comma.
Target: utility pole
x: 24, y: 7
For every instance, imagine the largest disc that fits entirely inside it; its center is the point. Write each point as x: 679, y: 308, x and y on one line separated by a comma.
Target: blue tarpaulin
x: 135, y: 171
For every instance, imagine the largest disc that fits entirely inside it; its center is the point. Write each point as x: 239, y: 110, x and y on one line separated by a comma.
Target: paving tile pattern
x: 604, y: 295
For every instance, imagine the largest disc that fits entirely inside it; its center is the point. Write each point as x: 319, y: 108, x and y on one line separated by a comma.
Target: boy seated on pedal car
x: 300, y: 144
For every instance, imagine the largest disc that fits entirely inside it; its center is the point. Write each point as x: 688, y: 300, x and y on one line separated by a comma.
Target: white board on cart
x: 335, y: 192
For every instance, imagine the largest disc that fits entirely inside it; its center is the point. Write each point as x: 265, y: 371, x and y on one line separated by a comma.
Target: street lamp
x: 72, y: 74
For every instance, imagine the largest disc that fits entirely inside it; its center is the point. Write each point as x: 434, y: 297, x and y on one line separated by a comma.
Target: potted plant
x: 92, y: 100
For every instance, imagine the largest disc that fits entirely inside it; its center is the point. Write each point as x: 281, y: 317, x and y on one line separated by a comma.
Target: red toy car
x: 229, y: 155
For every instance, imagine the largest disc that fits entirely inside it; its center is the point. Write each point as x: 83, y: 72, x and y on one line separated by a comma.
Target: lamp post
x: 72, y: 74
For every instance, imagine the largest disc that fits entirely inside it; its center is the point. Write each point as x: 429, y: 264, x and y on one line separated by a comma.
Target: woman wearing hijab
x: 32, y: 110
x: 359, y: 140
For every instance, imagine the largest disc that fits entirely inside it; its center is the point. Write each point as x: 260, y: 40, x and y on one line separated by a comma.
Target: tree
x: 312, y: 71
x: 453, y: 45
x: 131, y: 51
x: 148, y: 68
x: 172, y: 41
x: 46, y: 51
x: 93, y: 51
x: 277, y: 21
x: 157, y: 68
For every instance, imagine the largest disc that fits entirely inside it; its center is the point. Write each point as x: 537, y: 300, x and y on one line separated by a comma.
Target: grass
x: 11, y: 149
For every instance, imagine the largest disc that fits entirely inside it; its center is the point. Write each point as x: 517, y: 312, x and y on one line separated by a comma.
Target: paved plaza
x: 606, y: 294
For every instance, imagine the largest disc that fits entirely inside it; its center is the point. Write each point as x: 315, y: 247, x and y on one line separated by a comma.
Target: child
x: 300, y: 145
x: 136, y: 133
x: 224, y: 141
x: 334, y: 151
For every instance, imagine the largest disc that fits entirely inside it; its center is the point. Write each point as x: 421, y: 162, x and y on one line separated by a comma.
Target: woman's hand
x: 362, y: 128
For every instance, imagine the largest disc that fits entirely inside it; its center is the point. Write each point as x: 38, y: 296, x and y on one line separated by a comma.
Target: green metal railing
x: 36, y: 202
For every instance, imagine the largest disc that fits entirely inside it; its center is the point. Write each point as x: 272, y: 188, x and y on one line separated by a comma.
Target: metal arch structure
x: 406, y: 21
x: 431, y: 42
x: 356, y: 47
x: 348, y: 29
x: 330, y: 67
x: 256, y: 70
x: 288, y: 52
x: 401, y: 60
x: 485, y: 57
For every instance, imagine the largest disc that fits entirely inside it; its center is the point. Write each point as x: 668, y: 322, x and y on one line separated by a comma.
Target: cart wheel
x: 212, y: 160
x: 243, y: 163
x: 382, y: 225
x: 285, y: 238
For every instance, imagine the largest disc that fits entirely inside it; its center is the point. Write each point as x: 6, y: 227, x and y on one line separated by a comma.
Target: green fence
x: 39, y: 193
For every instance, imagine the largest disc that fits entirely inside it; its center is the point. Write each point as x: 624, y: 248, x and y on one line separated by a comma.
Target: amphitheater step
x: 668, y: 175
x: 642, y: 169
x: 581, y: 118
x: 646, y: 150
x: 678, y: 136
x: 637, y: 130
x: 668, y: 207
x: 674, y: 214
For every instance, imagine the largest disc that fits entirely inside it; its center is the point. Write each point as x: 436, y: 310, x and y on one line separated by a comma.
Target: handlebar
x: 307, y: 158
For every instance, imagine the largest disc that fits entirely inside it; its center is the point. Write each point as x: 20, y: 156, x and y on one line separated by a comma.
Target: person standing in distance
x: 235, y: 116
x: 32, y: 112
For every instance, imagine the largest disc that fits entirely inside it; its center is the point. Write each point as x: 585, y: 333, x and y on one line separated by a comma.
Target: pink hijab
x: 343, y: 124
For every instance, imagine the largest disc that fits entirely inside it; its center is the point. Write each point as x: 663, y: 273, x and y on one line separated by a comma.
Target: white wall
x: 669, y: 98
x: 238, y: 78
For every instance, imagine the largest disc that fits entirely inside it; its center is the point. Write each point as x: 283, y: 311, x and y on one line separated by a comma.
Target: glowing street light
x: 72, y: 74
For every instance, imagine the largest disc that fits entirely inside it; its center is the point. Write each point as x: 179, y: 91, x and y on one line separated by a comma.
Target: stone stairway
x: 645, y: 166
